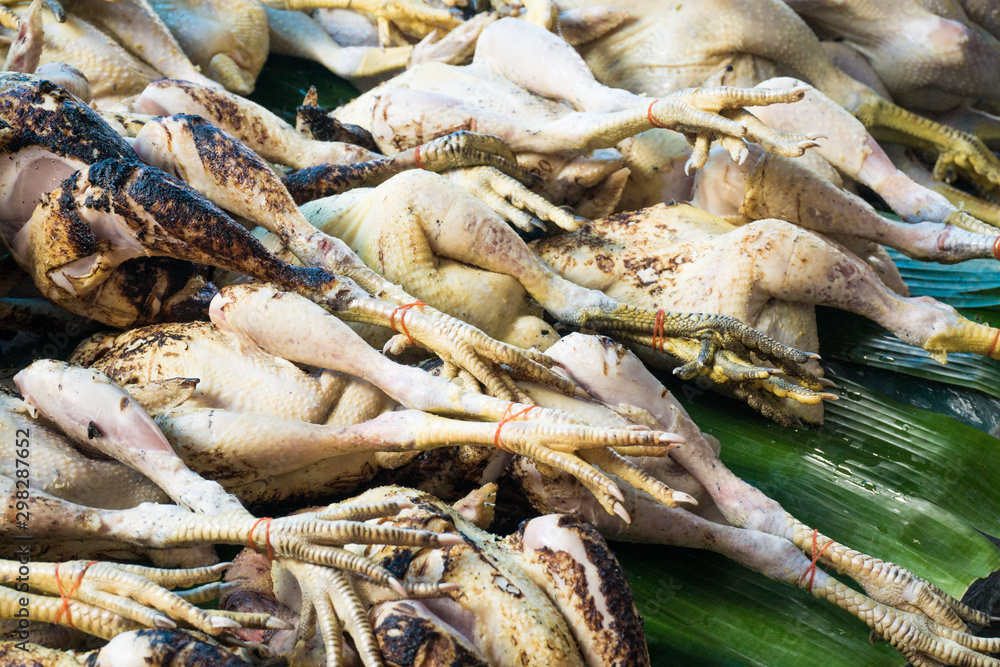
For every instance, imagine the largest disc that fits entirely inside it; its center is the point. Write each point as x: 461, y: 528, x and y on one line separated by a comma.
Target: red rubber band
x: 657, y: 343
x: 497, y: 440
x: 994, y: 345
x: 402, y: 318
x: 811, y: 570
x: 267, y: 536
x: 64, y: 607
x: 652, y: 120
x: 996, y: 248
x: 416, y: 157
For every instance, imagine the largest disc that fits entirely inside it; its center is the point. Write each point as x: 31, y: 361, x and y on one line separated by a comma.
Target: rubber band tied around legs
x: 416, y: 158
x: 497, y: 440
x: 652, y: 119
x: 993, y: 347
x: 64, y: 607
x: 658, y: 338
x: 405, y: 308
x: 267, y: 536
x: 811, y: 570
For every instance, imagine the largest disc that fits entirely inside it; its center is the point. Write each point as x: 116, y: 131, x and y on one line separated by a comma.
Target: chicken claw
x: 918, y: 637
x: 956, y: 150
x: 511, y: 200
x: 105, y: 599
x: 464, y: 346
x: 717, y: 347
x: 707, y: 114
x: 921, y: 621
x: 452, y: 151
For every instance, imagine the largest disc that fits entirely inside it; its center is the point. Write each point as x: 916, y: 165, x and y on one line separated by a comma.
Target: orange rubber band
x: 811, y: 570
x: 993, y: 347
x: 267, y: 536
x: 652, y: 119
x: 996, y: 247
x: 402, y: 318
x: 497, y: 440
x: 657, y: 343
x: 416, y: 157
x: 64, y: 607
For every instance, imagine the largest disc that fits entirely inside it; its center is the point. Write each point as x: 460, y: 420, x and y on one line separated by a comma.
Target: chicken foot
x: 105, y: 598
x: 316, y: 538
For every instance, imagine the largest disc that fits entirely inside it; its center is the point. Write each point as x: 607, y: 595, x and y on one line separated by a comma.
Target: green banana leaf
x: 894, y: 481
x: 899, y: 483
x: 972, y: 284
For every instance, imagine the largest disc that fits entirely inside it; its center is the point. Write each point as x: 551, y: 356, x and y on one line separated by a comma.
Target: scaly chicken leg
x: 916, y: 617
x: 108, y: 598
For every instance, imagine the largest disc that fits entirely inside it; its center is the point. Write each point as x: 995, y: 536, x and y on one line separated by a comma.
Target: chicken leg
x: 916, y: 617
x: 772, y: 186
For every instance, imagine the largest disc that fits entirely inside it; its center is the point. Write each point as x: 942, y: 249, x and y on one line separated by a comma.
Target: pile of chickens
x: 283, y: 315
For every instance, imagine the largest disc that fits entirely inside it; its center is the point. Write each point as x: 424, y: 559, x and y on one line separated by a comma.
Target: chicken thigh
x: 930, y: 54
